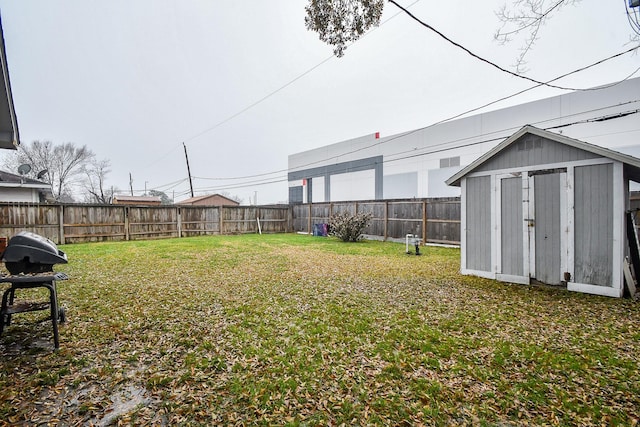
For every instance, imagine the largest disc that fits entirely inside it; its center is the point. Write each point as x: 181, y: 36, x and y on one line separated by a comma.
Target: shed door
x: 511, y: 237
x: 546, y: 227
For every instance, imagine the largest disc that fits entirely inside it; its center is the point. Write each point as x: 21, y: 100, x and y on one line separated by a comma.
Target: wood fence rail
x: 436, y: 220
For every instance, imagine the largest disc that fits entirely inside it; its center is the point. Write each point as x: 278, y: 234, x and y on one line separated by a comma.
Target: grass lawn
x: 300, y: 330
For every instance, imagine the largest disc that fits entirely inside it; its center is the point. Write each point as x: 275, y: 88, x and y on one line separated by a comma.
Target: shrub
x: 348, y: 227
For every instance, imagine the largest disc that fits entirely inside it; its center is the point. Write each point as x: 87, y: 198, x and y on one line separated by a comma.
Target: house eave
x: 9, y: 134
x: 23, y: 185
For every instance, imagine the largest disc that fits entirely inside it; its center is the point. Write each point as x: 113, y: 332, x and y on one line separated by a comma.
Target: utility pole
x: 188, y: 169
x: 131, y: 183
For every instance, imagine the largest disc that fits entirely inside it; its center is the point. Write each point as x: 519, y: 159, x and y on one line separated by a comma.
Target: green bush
x: 348, y: 227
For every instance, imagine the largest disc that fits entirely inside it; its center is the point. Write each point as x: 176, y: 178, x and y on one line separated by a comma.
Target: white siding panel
x: 354, y: 186
x: 317, y: 189
x: 25, y: 195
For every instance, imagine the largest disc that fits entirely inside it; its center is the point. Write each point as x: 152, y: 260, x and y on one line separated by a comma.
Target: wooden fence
x: 93, y: 223
x: 435, y: 220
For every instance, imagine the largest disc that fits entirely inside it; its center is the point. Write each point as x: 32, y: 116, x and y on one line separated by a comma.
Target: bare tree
x: 96, y: 172
x: 526, y: 17
x: 57, y: 165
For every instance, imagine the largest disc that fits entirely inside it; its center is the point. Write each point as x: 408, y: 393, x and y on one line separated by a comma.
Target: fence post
x: 424, y: 222
x: 61, y: 224
x: 290, y: 227
x: 386, y: 220
x: 179, y: 219
x: 309, y: 230
x: 126, y: 223
x: 221, y: 215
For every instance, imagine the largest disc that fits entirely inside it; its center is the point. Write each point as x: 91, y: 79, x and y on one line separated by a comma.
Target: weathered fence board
x: 40, y: 219
x: 197, y: 221
x: 93, y: 223
x: 152, y: 222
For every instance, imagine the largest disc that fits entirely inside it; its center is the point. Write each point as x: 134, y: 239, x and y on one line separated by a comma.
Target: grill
x: 29, y: 258
x: 31, y: 253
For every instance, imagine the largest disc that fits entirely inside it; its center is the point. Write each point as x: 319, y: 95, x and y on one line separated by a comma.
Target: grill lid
x: 31, y: 253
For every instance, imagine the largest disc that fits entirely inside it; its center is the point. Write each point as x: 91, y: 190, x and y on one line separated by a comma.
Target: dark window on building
x: 450, y: 162
x: 295, y: 195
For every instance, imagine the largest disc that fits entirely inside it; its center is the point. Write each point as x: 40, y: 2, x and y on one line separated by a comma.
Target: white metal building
x: 417, y: 163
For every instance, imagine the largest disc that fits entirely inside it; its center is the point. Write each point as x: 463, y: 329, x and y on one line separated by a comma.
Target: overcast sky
x: 133, y: 80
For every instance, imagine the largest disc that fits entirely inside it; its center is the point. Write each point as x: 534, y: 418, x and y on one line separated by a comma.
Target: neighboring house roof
x: 215, y: 199
x: 136, y: 200
x: 12, y: 180
x: 633, y: 163
x: 9, y: 135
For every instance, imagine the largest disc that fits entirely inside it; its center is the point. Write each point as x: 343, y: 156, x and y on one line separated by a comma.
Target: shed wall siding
x: 478, y: 223
x: 511, y: 238
x: 532, y: 150
x: 594, y: 224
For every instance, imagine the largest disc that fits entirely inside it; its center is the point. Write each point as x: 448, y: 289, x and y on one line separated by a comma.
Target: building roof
x: 12, y: 180
x: 193, y: 200
x: 633, y: 163
x: 9, y: 135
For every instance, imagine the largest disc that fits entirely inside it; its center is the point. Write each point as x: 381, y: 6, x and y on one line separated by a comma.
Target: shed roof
x: 632, y: 163
x: 9, y: 136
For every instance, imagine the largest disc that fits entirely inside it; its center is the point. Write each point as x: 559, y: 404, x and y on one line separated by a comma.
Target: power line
x: 437, y: 148
x: 501, y: 138
x: 432, y: 151
x: 442, y: 146
x: 472, y: 110
x: 449, y: 142
x: 170, y: 184
x: 493, y: 64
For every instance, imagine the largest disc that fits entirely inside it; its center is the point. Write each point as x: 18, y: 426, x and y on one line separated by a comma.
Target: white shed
x: 544, y: 207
